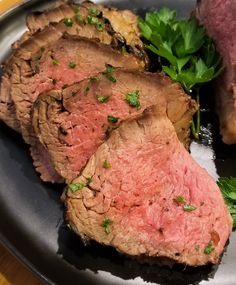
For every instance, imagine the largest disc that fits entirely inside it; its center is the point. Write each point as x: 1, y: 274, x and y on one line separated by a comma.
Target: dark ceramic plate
x: 31, y: 214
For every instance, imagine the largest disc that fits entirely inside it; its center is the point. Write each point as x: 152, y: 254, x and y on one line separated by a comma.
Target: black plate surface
x: 31, y: 214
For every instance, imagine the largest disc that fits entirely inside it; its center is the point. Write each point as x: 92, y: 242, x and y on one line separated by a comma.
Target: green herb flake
x: 38, y: 56
x: 111, y: 78
x: 92, y: 20
x: 95, y: 78
x: 72, y: 65
x: 227, y: 186
x: 106, y: 225
x: 100, y: 26
x: 112, y: 119
x: 133, y: 99
x: 209, y: 248
x: 189, y: 208
x: 68, y: 22
x: 80, y: 19
x: 55, y: 61
x: 123, y: 50
x: 109, y: 69
x: 76, y: 186
x: 106, y: 164
x: 94, y: 12
x: 89, y: 180
x: 103, y: 99
x: 77, y: 9
x: 180, y: 199
x: 108, y: 72
x: 86, y: 90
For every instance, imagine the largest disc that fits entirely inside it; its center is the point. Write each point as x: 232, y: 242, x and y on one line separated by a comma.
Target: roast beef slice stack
x: 71, y: 123
x: 142, y: 193
x: 53, y: 32
x: 218, y: 17
x: 121, y: 24
x: 39, y: 67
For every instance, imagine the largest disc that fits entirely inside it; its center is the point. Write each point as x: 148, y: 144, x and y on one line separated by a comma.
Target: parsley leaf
x: 209, y: 248
x: 106, y: 225
x: 103, y: 99
x: 133, y: 99
x: 227, y: 186
x: 68, y: 22
x: 76, y: 186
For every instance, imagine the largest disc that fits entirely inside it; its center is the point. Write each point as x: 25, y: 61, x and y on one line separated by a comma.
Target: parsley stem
x: 195, y: 134
x: 195, y: 126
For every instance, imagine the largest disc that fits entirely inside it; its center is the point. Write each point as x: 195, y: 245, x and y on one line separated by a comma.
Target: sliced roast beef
x: 85, y: 25
x: 65, y: 61
x: 142, y: 193
x: 122, y: 24
x: 73, y: 122
x: 218, y: 17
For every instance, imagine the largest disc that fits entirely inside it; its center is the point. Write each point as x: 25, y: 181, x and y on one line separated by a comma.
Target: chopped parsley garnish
x: 189, y: 208
x: 180, y: 199
x: 103, y: 99
x: 55, y: 61
x: 112, y: 119
x: 93, y: 11
x: 184, y: 50
x: 109, y: 69
x: 76, y: 186
x: 94, y: 78
x: 100, y: 26
x: 86, y: 90
x: 209, y: 248
x: 77, y: 8
x: 39, y: 54
x: 108, y: 72
x: 133, y: 99
x: 123, y: 50
x: 89, y: 180
x: 106, y: 164
x: 72, y: 65
x: 92, y: 20
x: 68, y: 22
x: 106, y: 225
x: 227, y: 186
x: 111, y: 78
x: 80, y: 19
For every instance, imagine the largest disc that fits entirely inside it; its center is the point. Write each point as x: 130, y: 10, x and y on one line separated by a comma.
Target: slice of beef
x: 142, y: 193
x: 49, y: 35
x: 218, y: 17
x: 65, y: 61
x: 73, y: 122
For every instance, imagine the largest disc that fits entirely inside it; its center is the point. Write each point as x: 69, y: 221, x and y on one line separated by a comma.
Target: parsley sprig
x: 186, y: 53
x: 228, y: 188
